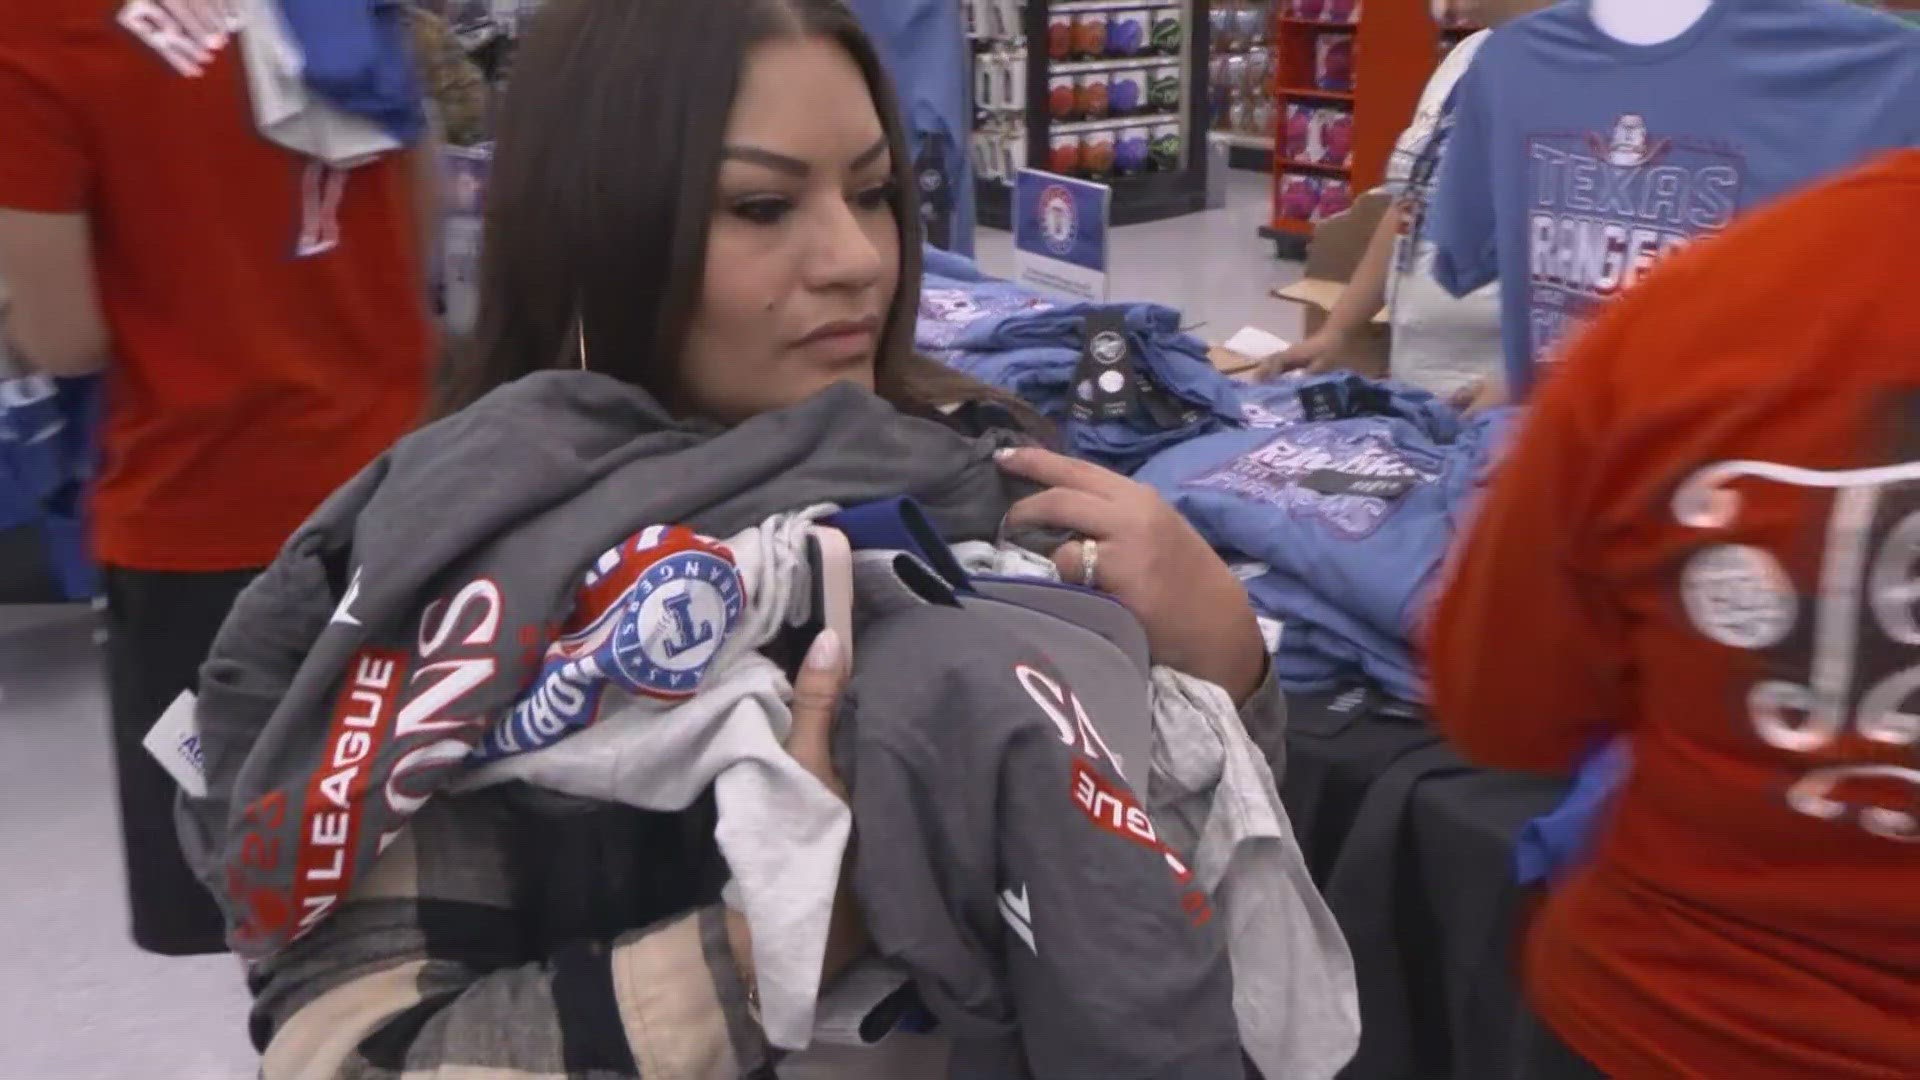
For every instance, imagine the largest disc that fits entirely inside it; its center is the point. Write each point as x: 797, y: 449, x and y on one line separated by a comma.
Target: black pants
x: 1541, y: 1054
x: 160, y: 627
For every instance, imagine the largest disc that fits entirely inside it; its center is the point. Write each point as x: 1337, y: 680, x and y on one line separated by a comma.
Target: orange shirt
x: 1707, y: 538
x: 268, y: 315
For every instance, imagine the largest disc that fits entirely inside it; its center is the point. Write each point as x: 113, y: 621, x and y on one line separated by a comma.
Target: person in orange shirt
x: 1706, y: 539
x: 262, y: 322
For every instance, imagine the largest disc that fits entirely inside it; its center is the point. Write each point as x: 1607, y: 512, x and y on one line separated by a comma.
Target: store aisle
x: 1213, y: 266
x: 77, y: 1000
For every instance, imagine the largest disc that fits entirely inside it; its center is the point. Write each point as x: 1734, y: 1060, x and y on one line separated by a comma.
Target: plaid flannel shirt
x: 441, y: 962
x: 429, y: 969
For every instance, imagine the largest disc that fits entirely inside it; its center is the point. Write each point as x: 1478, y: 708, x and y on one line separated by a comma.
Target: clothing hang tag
x: 936, y: 195
x: 1323, y: 401
x: 1370, y: 399
x: 930, y: 172
x: 1335, y: 482
x: 174, y: 742
x: 1106, y: 384
x: 1167, y: 411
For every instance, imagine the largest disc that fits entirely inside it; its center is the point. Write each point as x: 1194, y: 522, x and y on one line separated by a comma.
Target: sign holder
x: 1061, y: 233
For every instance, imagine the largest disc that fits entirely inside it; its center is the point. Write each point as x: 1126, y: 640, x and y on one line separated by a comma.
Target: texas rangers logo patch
x: 675, y: 618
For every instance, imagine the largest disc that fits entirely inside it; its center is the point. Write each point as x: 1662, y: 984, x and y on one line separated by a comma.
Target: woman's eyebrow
x: 793, y: 166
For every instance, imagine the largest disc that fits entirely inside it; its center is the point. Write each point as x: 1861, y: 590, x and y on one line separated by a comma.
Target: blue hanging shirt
x: 924, y: 47
x: 1575, y: 162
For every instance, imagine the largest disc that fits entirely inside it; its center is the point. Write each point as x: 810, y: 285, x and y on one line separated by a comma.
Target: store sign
x: 1060, y: 234
x: 463, y: 199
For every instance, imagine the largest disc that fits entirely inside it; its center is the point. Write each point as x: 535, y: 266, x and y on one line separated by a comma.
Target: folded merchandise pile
x: 1124, y: 379
x: 1338, y: 497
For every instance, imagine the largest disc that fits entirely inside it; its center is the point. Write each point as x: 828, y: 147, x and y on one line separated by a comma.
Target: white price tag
x: 174, y: 742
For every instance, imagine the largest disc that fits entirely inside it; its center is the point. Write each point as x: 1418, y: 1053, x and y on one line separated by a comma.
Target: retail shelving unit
x: 1173, y: 120
x: 1240, y: 80
x: 1395, y: 46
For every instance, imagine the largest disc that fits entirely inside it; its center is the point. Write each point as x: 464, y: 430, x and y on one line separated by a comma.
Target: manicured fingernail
x: 1004, y: 454
x: 824, y: 655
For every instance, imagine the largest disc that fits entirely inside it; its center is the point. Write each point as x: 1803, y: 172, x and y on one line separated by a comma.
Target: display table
x: 1413, y: 848
x: 26, y: 577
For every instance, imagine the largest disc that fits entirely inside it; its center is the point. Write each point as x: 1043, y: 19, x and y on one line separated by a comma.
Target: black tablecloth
x: 1413, y: 848
x: 26, y: 575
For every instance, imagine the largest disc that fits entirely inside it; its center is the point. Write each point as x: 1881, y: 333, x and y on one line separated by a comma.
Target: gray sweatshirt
x: 358, y: 673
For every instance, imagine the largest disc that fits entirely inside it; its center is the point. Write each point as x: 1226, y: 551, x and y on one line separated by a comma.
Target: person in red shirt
x: 262, y: 322
x: 1706, y: 540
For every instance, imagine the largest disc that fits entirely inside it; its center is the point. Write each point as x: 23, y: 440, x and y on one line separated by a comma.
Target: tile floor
x: 78, y: 1002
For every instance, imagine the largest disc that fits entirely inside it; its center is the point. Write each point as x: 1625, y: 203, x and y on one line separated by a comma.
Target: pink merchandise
x: 1336, y: 137
x: 1335, y: 197
x: 1299, y: 196
x: 1343, y: 11
x: 1299, y: 131
x: 1309, y: 9
x: 1333, y: 61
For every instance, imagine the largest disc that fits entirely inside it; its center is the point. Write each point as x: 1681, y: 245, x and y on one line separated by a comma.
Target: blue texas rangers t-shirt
x: 1576, y: 162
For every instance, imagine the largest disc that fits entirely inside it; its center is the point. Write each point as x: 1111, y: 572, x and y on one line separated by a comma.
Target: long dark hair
x: 602, y: 189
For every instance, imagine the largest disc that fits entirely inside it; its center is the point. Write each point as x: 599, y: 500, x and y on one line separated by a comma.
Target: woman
x: 1448, y: 346
x: 707, y: 199
x: 1704, y: 541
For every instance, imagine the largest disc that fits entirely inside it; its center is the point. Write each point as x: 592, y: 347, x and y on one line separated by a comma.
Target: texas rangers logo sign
x: 1059, y: 220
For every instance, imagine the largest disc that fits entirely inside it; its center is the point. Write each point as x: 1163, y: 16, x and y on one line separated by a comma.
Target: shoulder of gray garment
x: 496, y: 512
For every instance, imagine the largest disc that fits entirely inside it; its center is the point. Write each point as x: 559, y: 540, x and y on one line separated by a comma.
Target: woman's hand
x: 816, y: 701
x: 1196, y: 613
x: 1317, y: 355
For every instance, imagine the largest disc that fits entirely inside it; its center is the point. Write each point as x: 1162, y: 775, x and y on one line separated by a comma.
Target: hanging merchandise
x: 1346, y: 76
x: 924, y: 47
x: 1116, y: 79
x: 1648, y: 148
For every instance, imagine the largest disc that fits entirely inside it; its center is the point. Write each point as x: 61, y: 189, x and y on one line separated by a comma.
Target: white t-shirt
x: 1439, y: 342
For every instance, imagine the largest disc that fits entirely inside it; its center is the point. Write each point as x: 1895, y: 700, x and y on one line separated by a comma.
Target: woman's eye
x: 878, y: 197
x: 767, y: 210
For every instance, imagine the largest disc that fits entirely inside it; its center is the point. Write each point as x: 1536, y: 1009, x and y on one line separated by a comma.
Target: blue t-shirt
x: 1575, y: 161
x: 924, y: 47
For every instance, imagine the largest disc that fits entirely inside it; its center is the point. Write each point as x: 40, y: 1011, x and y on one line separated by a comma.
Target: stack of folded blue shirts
x: 1011, y: 337
x: 47, y: 456
x: 1352, y: 516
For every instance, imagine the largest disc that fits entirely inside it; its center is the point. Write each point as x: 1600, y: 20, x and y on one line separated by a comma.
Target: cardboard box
x: 1332, y: 255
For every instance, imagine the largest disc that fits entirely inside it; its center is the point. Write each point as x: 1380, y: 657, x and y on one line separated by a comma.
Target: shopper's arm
x: 1527, y: 653
x: 421, y: 972
x: 1365, y: 294
x: 52, y: 320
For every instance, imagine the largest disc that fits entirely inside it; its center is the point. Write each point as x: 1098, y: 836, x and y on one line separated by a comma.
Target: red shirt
x: 268, y: 320
x: 1707, y: 539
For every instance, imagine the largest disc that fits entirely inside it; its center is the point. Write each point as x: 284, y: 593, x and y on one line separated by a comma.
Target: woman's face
x: 803, y: 252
